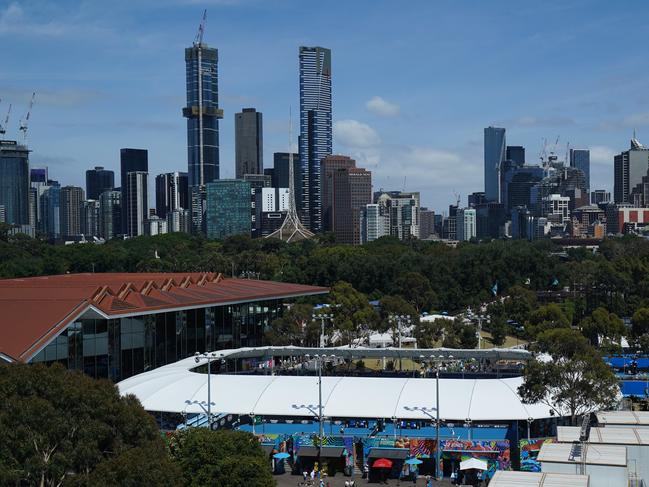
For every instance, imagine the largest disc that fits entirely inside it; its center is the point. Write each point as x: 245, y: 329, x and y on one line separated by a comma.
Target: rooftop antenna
x: 25, y: 122
x: 201, y: 28
x: 3, y: 126
x: 292, y: 229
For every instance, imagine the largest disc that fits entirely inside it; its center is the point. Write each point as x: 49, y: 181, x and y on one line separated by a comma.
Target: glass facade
x: 229, y: 204
x: 120, y: 348
x: 14, y: 182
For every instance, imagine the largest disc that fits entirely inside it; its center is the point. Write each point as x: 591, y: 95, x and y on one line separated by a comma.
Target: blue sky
x: 414, y: 83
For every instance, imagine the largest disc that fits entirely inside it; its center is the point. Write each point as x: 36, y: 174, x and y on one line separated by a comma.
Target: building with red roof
x: 118, y: 325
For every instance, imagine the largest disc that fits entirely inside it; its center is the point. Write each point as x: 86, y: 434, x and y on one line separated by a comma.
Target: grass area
x: 510, y: 341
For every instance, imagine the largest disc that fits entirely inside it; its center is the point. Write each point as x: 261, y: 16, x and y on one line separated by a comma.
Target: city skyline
x: 419, y: 122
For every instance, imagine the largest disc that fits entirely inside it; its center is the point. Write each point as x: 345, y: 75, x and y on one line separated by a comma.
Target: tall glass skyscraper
x: 315, y: 131
x: 495, y: 151
x: 202, y: 113
x: 580, y: 158
x: 229, y: 202
x: 14, y: 182
x: 131, y: 160
x: 248, y: 143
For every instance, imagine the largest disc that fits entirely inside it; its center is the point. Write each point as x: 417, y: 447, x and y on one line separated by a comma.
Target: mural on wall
x: 529, y: 451
x: 496, y: 453
x: 347, y: 442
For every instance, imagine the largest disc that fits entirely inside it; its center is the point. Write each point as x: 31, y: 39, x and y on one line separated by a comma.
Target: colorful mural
x: 497, y: 454
x: 529, y: 451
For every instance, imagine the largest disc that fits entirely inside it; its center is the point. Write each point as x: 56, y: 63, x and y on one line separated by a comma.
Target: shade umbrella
x: 474, y: 463
x: 281, y: 455
x: 382, y: 463
x: 413, y: 461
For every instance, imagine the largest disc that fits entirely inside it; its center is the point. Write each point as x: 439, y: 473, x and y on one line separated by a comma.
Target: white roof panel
x: 640, y: 418
x: 505, y: 478
x: 609, y: 435
x: 611, y: 455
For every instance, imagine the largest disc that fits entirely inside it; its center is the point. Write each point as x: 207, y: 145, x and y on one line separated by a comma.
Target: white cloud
x: 382, y: 108
x: 600, y: 154
x: 355, y: 135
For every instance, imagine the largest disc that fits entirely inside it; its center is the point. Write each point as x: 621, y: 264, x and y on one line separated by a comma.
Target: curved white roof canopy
x: 176, y: 388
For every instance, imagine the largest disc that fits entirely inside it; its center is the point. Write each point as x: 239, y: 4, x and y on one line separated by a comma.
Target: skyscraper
x: 580, y: 159
x: 228, y: 208
x: 466, y: 226
x: 131, y: 160
x: 171, y: 192
x: 110, y: 214
x: 14, y: 182
x: 136, y: 202
x: 50, y: 210
x: 98, y: 180
x: 494, y: 156
x: 280, y: 172
x: 516, y: 154
x: 70, y: 208
x: 315, y: 139
x: 629, y: 167
x: 346, y: 190
x: 202, y: 113
x: 248, y: 141
x: 90, y: 218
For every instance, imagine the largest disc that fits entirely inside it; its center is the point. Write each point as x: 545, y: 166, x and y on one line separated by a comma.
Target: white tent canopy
x: 176, y: 388
x: 474, y: 463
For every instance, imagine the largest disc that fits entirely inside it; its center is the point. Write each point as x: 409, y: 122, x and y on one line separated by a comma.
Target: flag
x: 494, y: 289
x: 528, y: 281
x: 555, y: 282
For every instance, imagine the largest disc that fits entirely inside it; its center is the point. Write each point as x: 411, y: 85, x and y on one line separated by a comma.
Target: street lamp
x: 398, y: 320
x: 322, y: 317
x: 252, y: 421
x: 394, y: 426
x: 209, y: 356
x: 529, y: 424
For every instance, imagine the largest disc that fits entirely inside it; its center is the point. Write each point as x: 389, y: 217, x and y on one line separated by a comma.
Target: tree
x: 545, y: 318
x: 353, y: 314
x: 519, y: 304
x: 290, y: 328
x: 396, y: 305
x: 429, y: 333
x: 498, y: 329
x: 603, y: 329
x: 224, y: 458
x: 460, y: 335
x: 574, y: 380
x: 416, y: 289
x: 61, y: 427
x: 640, y: 322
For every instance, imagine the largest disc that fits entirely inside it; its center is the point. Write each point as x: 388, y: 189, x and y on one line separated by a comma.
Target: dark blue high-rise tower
x: 315, y: 139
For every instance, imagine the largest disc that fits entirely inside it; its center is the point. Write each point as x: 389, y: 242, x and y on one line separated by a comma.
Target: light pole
x: 529, y: 424
x: 252, y: 421
x: 209, y: 356
x: 397, y: 320
x: 319, y: 360
x: 322, y: 317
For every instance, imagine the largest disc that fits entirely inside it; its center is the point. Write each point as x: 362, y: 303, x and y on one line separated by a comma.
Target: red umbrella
x: 382, y: 463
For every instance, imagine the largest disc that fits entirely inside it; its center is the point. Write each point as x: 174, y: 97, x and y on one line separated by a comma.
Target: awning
x: 326, y: 452
x: 393, y: 453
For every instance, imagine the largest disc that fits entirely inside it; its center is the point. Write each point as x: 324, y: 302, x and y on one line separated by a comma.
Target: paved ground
x: 287, y: 480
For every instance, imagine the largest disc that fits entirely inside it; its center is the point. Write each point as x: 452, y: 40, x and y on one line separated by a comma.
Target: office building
x: 449, y: 224
x: 466, y: 224
x: 98, y: 180
x: 346, y: 190
x: 136, y: 202
x: 556, y: 208
x: 494, y: 155
x: 90, y: 218
x: 517, y: 182
x: 38, y: 179
x: 257, y: 183
x: 403, y: 212
x: 274, y: 204
x: 426, y: 223
x: 171, y: 192
x: 179, y: 221
x: 229, y: 203
x: 315, y: 140
x: 580, y: 159
x: 131, y: 160
x: 476, y: 198
x: 14, y: 182
x: 110, y: 214
x: 203, y: 113
x: 629, y: 167
x: 516, y: 154
x: 600, y: 197
x: 490, y: 220
x: 248, y: 143
x: 71, y: 200
x: 375, y: 222
x: 50, y: 211
x: 155, y: 225
x: 280, y: 173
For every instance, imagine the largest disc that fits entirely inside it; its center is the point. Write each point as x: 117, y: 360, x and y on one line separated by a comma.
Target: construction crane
x: 25, y: 121
x: 4, y: 125
x: 201, y: 28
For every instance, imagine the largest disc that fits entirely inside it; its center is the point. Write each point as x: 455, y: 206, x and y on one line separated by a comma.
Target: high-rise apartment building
x: 280, y: 173
x: 403, y: 212
x: 110, y: 214
x: 136, y: 202
x: 171, y: 192
x: 494, y: 156
x: 202, y: 113
x: 248, y: 143
x: 580, y: 159
x: 228, y: 208
x: 375, y: 222
x: 131, y: 160
x: 98, y: 180
x: 466, y: 224
x: 600, y: 197
x: 257, y: 183
x: 346, y: 190
x: 71, y: 200
x: 426, y: 223
x: 629, y: 167
x: 315, y: 141
x: 14, y: 182
x: 90, y: 218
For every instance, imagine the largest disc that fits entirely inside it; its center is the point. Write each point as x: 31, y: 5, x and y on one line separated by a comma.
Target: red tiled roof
x: 34, y: 310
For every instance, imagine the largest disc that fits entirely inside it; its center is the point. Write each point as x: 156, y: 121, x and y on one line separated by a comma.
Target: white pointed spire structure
x: 292, y: 229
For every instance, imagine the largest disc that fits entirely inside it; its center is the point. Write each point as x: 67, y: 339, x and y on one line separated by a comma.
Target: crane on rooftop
x: 3, y: 126
x: 201, y: 29
x: 25, y: 121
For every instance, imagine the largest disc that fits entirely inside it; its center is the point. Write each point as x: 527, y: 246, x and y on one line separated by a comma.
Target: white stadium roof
x: 176, y: 388
x: 504, y: 478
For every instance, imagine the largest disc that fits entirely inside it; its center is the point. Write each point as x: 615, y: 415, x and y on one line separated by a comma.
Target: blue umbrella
x: 413, y: 461
x: 281, y: 455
